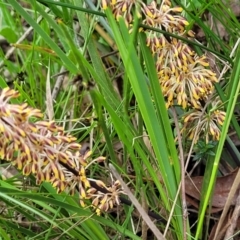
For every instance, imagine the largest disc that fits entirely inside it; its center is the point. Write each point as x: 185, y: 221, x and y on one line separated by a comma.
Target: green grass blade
x: 160, y: 106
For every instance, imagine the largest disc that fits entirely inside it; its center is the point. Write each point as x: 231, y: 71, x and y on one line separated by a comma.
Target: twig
x: 138, y: 206
x: 172, y: 210
x: 234, y: 219
x: 58, y: 83
x: 228, y: 203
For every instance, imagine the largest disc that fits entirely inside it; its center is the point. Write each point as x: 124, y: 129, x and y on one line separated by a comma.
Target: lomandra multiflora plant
x: 184, y: 76
x: 43, y: 149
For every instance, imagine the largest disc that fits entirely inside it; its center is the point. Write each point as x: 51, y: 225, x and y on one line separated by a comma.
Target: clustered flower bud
x: 43, y: 149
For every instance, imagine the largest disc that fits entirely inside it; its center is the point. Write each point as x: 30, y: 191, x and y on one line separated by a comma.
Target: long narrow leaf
x: 230, y: 109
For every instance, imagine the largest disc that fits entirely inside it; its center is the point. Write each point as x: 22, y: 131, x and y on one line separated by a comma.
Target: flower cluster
x: 204, y: 125
x: 105, y: 200
x: 184, y: 76
x: 43, y: 149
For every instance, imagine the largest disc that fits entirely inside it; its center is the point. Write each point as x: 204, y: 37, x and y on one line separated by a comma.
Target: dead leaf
x: 222, y: 189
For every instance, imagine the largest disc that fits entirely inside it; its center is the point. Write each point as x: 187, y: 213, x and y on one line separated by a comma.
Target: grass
x: 113, y: 102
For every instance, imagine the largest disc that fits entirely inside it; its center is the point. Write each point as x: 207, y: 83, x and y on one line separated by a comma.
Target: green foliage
x: 135, y: 117
x: 203, y: 150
